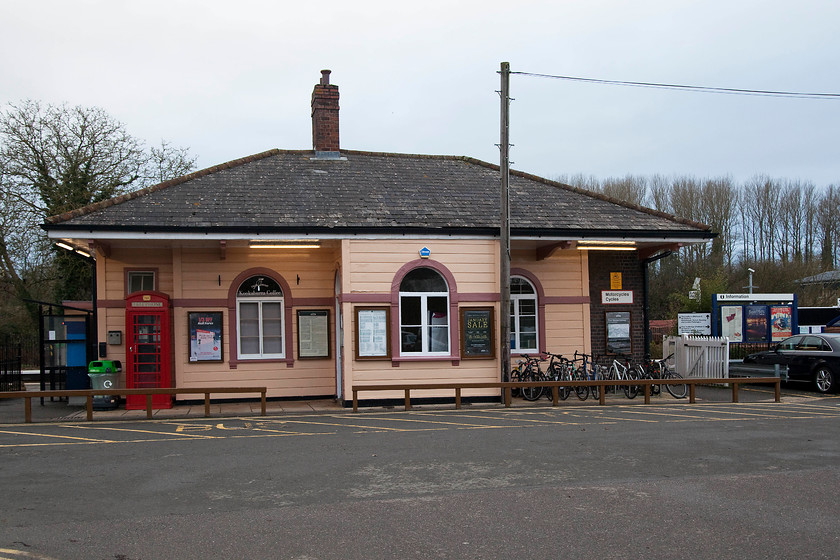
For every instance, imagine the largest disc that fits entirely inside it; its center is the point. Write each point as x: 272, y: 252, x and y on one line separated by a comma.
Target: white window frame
x: 262, y: 355
x: 516, y: 316
x: 425, y: 326
x: 132, y: 274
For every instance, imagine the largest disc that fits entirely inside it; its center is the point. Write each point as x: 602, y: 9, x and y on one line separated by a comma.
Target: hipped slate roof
x: 282, y: 191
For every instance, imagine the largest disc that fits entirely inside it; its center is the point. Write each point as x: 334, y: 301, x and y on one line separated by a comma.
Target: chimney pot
x: 325, y: 77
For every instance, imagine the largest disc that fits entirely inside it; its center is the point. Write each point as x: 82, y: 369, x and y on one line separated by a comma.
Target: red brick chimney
x: 325, y: 117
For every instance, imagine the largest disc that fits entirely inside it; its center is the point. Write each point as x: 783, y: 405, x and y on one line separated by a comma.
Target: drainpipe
x: 646, y: 289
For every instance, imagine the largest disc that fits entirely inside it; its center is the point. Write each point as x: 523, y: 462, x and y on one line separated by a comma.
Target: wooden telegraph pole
x: 504, y: 233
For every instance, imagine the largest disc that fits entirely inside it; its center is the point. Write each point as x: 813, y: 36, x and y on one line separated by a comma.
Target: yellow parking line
x: 787, y: 412
x: 132, y: 430
x: 679, y: 417
x: 460, y: 424
x: 93, y: 440
x: 342, y: 425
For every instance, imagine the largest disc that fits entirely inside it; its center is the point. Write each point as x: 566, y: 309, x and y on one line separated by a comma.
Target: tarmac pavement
x: 749, y: 481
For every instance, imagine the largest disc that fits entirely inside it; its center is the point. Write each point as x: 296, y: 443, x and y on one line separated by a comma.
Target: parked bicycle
x: 659, y: 369
x: 587, y: 369
x: 562, y: 369
x: 528, y: 369
x: 620, y: 370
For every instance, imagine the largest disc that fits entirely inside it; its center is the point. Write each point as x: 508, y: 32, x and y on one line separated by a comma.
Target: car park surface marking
x: 134, y: 430
x: 88, y: 440
x: 531, y: 420
x: 459, y: 425
x: 365, y: 428
x: 411, y: 422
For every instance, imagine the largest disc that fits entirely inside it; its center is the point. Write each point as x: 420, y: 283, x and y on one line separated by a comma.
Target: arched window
x: 260, y: 318
x: 424, y: 313
x: 523, y: 316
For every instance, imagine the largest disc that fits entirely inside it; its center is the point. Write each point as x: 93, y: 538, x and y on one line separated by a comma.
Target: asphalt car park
x: 713, y: 406
x: 715, y: 479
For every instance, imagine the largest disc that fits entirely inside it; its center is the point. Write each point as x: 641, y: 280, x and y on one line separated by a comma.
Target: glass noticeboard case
x: 313, y: 333
x: 372, y: 341
x: 618, y: 332
x: 205, y: 330
x: 477, y: 335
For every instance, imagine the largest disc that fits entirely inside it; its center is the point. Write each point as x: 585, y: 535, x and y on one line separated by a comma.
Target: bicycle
x: 588, y: 370
x: 661, y: 370
x: 647, y: 371
x: 562, y: 369
x: 529, y: 369
x: 621, y: 371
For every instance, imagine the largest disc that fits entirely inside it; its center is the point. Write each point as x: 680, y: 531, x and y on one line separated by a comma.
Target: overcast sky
x: 230, y: 79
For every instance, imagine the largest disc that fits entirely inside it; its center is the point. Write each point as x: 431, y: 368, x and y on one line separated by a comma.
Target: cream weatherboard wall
x: 564, y: 278
x: 369, y: 270
x: 203, y: 278
x: 368, y: 275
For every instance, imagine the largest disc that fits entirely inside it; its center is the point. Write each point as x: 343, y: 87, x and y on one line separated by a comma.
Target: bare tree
x: 57, y: 158
x: 630, y: 188
x: 829, y: 228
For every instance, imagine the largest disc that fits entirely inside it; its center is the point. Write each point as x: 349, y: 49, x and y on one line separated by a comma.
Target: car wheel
x: 824, y: 379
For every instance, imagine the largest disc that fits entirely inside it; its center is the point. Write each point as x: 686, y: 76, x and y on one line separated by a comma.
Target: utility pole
x: 504, y: 233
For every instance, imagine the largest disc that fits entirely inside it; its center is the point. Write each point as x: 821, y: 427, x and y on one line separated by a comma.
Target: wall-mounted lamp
x: 285, y: 244
x: 606, y: 245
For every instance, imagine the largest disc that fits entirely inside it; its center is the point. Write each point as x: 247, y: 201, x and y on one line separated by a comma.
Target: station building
x: 308, y: 271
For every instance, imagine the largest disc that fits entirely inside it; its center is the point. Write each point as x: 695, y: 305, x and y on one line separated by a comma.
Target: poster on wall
x: 618, y: 332
x: 781, y: 325
x: 205, y: 330
x: 477, y: 339
x: 756, y: 323
x: 732, y: 322
x: 313, y: 333
x: 372, y: 333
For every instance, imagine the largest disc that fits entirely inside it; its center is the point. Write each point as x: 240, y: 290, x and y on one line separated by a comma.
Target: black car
x: 808, y: 357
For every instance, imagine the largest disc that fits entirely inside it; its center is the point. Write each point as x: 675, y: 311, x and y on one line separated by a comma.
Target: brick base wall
x: 601, y: 264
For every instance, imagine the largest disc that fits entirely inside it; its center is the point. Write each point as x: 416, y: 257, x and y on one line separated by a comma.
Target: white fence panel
x: 699, y: 356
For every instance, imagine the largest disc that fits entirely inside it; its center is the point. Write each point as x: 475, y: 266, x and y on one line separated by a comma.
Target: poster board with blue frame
x: 754, y: 318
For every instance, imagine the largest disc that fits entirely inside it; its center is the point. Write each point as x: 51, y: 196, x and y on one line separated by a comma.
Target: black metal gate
x: 11, y: 378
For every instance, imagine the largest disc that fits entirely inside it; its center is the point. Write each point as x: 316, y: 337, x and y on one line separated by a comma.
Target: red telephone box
x: 148, y: 327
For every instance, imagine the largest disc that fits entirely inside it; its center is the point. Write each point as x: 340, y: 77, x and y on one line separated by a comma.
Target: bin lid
x: 104, y: 366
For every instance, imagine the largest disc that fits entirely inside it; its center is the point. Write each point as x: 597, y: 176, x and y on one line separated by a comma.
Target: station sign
x: 616, y: 297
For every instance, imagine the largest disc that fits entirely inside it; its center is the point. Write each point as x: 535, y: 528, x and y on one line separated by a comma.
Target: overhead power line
x: 699, y: 89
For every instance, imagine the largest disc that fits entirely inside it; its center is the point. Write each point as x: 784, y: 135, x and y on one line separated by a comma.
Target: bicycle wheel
x: 531, y: 393
x: 582, y: 391
x: 654, y: 373
x: 515, y: 376
x: 594, y: 375
x: 678, y: 391
x: 630, y: 391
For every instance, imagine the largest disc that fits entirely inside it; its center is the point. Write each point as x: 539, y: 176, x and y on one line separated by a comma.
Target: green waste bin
x: 105, y: 374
